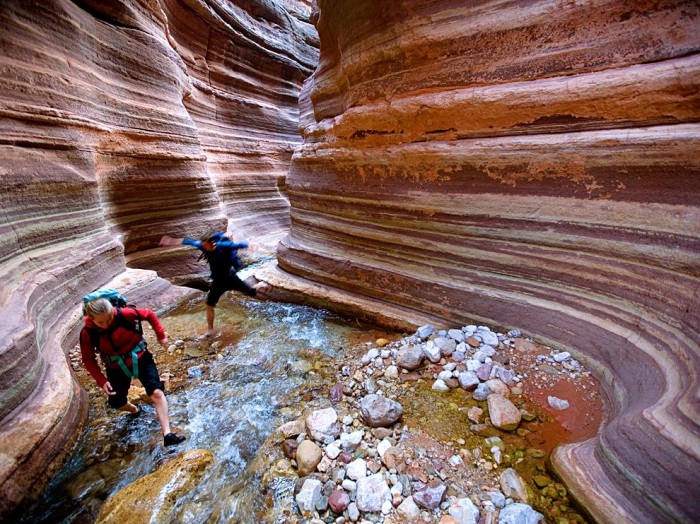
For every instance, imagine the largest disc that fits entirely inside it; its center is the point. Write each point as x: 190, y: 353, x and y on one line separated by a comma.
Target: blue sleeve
x: 191, y: 242
x: 232, y: 245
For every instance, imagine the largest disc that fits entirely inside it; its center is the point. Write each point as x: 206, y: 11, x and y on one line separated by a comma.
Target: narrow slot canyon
x: 528, y: 166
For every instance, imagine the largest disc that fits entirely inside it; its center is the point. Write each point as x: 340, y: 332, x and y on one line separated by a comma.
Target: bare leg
x: 211, y: 313
x: 161, y: 405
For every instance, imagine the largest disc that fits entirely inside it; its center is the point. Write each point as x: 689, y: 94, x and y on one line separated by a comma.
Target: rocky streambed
x: 442, y: 426
x: 294, y: 415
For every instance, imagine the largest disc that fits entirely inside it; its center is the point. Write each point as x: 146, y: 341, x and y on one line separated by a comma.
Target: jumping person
x: 222, y: 256
x: 110, y: 332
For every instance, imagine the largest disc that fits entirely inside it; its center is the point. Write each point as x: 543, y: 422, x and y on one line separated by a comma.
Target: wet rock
x: 476, y: 414
x: 289, y: 429
x: 336, y: 393
x: 309, y: 495
x: 152, y: 498
x: 372, y: 491
x: 289, y: 448
x: 323, y: 425
x: 338, y: 501
x: 513, y: 486
x: 431, y: 495
x: 561, y: 357
x: 557, y: 403
x: 503, y: 413
x: 519, y: 514
x: 378, y: 411
x: 309, y: 455
x: 464, y: 511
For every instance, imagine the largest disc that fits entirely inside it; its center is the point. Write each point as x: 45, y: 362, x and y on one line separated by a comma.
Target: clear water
x: 272, y: 354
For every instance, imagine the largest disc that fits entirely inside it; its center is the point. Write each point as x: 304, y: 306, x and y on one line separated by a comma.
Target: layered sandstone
x: 122, y: 121
x: 522, y: 164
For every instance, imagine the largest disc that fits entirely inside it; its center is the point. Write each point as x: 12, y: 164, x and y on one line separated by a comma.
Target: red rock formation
x: 123, y: 121
x: 522, y: 164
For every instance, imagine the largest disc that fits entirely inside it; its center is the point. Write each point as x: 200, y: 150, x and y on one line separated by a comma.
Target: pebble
x: 368, y: 478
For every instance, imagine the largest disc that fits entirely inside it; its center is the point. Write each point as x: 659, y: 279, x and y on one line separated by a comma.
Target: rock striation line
x: 120, y: 122
x: 528, y: 165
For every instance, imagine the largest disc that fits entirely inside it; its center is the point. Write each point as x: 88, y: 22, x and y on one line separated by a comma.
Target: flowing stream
x: 269, y: 356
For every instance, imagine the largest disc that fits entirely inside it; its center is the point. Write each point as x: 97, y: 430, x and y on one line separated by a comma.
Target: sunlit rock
x: 153, y: 498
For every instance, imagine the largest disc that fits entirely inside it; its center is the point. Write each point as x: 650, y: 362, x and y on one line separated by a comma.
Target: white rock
x: 357, y: 469
x: 431, y: 352
x: 464, y: 511
x: 350, y: 441
x: 383, y: 446
x: 323, y: 425
x: 353, y: 512
x: 561, y: 357
x: 489, y: 337
x: 391, y: 372
x: 557, y: 403
x: 444, y: 375
x: 332, y: 451
x: 372, y: 491
x: 439, y: 385
x: 349, y: 485
x: 408, y: 508
x: 519, y: 514
x: 309, y: 495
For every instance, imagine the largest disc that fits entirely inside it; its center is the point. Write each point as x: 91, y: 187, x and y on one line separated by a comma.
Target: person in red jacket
x: 111, y: 332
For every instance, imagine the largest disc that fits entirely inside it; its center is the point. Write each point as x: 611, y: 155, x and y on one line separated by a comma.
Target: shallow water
x: 270, y: 354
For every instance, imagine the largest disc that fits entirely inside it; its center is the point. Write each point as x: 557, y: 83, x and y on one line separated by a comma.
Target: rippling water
x: 272, y: 352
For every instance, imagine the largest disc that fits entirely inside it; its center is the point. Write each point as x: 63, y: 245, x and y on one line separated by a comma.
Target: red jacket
x: 115, y: 340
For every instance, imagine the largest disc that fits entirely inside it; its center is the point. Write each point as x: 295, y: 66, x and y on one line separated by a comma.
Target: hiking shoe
x: 171, y: 439
x: 138, y: 412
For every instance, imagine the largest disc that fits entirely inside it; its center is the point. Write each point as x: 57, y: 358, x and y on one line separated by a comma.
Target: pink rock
x: 339, y: 501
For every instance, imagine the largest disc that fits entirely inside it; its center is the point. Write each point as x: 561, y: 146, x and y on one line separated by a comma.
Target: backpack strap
x: 119, y: 359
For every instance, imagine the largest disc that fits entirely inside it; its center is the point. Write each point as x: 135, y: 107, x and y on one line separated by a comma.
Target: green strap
x: 134, y: 362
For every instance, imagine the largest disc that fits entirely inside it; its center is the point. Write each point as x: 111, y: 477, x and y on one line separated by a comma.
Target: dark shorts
x: 148, y: 375
x: 232, y: 283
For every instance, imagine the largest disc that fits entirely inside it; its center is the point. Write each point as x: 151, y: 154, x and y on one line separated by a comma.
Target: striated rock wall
x: 522, y: 164
x: 122, y: 121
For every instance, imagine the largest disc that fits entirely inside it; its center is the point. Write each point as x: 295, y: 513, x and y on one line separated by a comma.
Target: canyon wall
x: 531, y: 165
x: 122, y: 121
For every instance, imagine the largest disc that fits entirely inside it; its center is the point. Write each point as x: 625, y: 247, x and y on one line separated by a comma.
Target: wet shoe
x: 138, y: 412
x: 171, y: 439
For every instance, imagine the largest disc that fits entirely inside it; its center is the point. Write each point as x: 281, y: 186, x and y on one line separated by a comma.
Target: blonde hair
x: 98, y: 307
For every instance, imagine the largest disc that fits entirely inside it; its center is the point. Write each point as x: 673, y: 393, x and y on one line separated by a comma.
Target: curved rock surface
x: 522, y: 164
x: 122, y: 121
x: 153, y: 498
